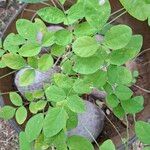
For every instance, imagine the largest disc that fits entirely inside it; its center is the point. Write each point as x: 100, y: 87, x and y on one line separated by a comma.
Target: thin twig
x: 91, y: 135
x: 144, y: 90
x: 29, y: 10
x: 127, y: 131
x: 117, y: 11
x: 7, y: 74
x: 115, y: 18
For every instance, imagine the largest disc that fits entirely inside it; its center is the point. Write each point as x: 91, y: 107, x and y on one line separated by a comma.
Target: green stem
x: 7, y: 74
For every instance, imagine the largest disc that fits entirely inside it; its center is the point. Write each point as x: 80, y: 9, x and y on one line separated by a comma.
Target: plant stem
x: 117, y: 11
x: 5, y: 93
x: 127, y: 131
x: 114, y: 127
x: 144, y: 90
x: 91, y: 135
x: 115, y: 18
x: 7, y: 74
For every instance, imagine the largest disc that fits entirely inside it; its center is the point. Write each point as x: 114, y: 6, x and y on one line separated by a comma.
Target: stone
x: 89, y: 123
x: 40, y: 79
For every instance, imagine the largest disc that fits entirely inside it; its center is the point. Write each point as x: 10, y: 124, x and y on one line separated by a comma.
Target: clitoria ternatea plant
x: 85, y: 64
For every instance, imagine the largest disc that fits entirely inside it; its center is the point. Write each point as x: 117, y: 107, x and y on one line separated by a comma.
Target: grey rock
x: 40, y: 79
x: 89, y: 123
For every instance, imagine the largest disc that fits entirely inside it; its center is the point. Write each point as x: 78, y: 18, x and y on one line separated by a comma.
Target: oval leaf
x: 21, y: 115
x: 34, y: 127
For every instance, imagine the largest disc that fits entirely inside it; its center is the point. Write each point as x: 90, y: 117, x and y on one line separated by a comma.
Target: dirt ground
x: 8, y: 136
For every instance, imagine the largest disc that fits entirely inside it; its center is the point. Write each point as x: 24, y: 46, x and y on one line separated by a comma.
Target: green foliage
x: 23, y: 142
x: 26, y: 29
x: 45, y: 62
x: 123, y: 92
x: 15, y: 99
x: 142, y: 130
x: 27, y: 77
x: 51, y: 15
x: 85, y: 46
x: 35, y: 124
x: 73, y: 143
x: 86, y: 63
x: 54, y: 121
x: 107, y: 145
x: 118, y: 37
x: 13, y: 61
x: 30, y: 49
x: 21, y: 115
x: 119, y: 75
x: 7, y: 112
x: 55, y: 94
x: 63, y: 37
x: 76, y: 104
x: 139, y: 9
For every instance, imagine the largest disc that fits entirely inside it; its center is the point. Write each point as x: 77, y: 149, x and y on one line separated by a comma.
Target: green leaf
x: 82, y: 87
x: 54, y: 121
x: 66, y: 67
x: 2, y: 64
x: 26, y: 29
x: 119, y: 112
x: 118, y: 37
x: 93, y: 11
x: 45, y: 62
x: 84, y: 29
x: 107, y: 145
x: 98, y: 79
x: 15, y: 99
x: 62, y: 1
x: 55, y: 94
x: 12, y: 42
x: 2, y: 52
x: 59, y: 141
x: 30, y: 49
x: 58, y: 50
x: 121, y: 56
x: 123, y: 92
x: 142, y: 130
x: 40, y: 105
x: 85, y: 46
x: 76, y: 104
x: 21, y: 115
x: 63, y: 37
x: 51, y: 15
x: 119, y: 75
x: 72, y: 121
x: 112, y: 101
x: 48, y: 39
x: 33, y: 107
x: 27, y: 77
x: 37, y: 94
x: 63, y: 81
x: 33, y: 62
x: 13, y: 61
x: 23, y: 142
x: 108, y: 88
x: 87, y: 65
x: 134, y: 105
x: 34, y: 127
x: 41, y: 143
x: 75, y: 12
x: 7, y: 112
x: 79, y: 143
x: 139, y: 9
